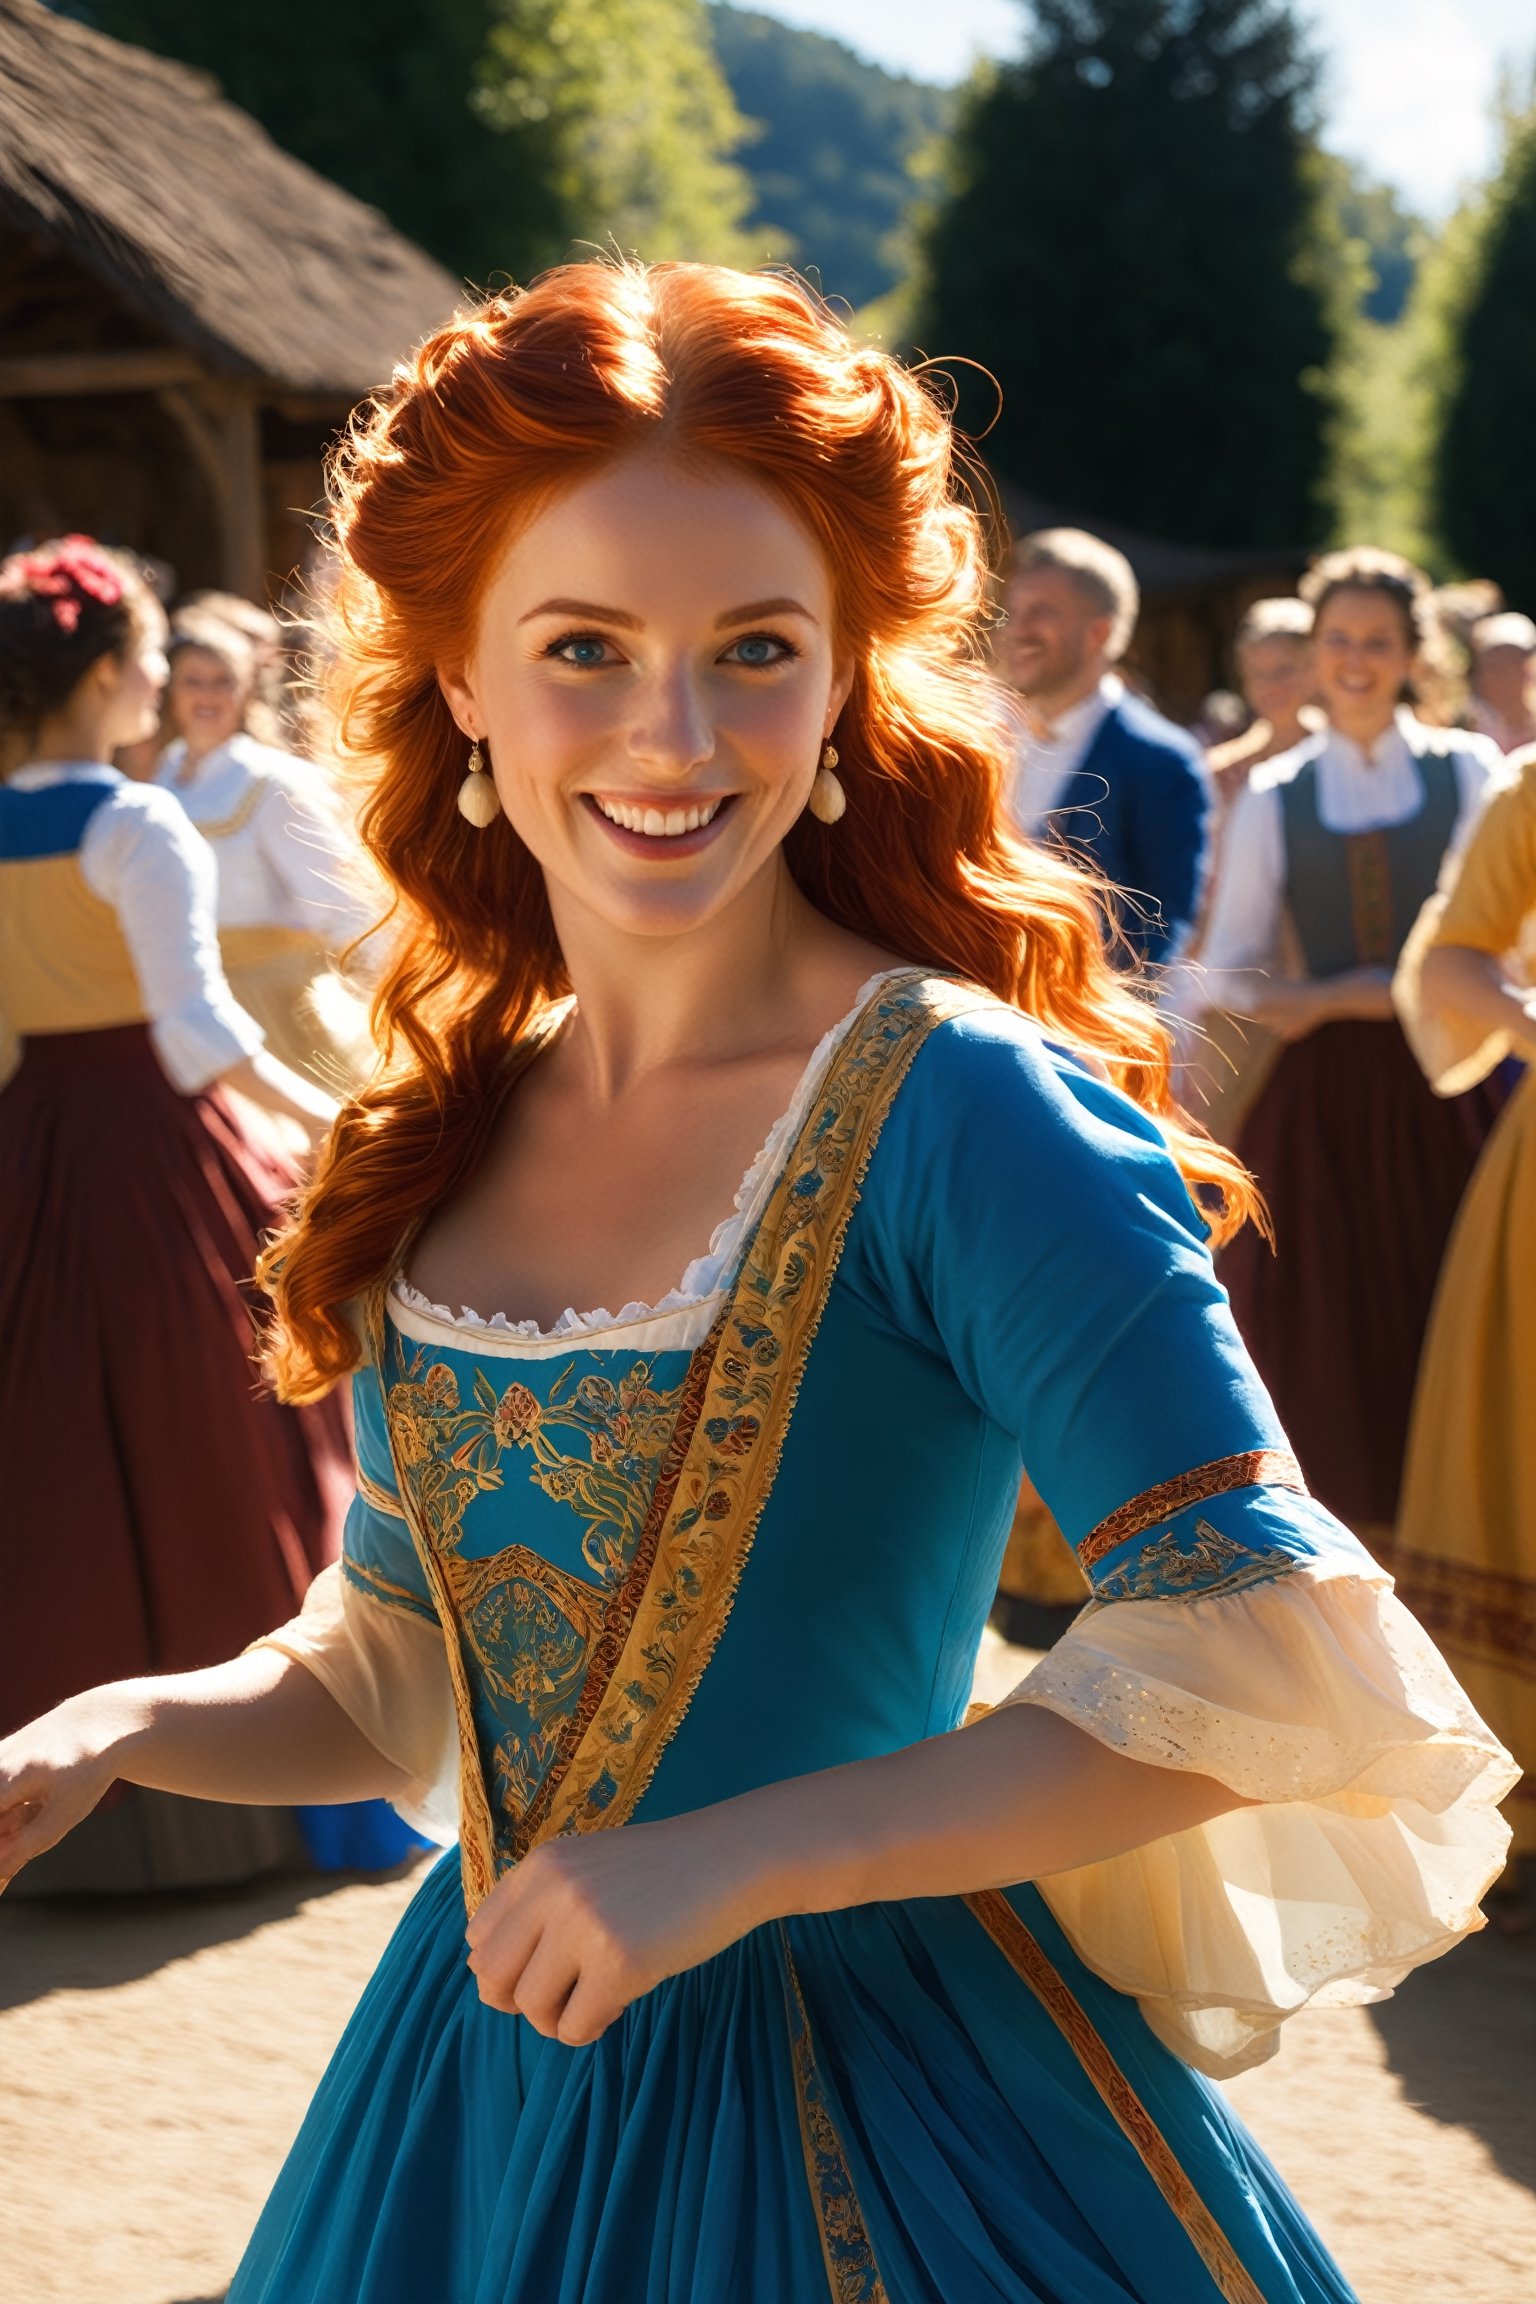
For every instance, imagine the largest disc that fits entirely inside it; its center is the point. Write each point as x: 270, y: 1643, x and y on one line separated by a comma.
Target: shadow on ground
x: 1459, y: 2064
x: 90, y: 1943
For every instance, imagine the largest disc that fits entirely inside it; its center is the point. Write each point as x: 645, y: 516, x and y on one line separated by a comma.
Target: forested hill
x: 830, y: 164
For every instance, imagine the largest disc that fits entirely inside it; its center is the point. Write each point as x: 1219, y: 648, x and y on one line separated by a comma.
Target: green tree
x: 497, y: 133
x: 1138, y: 244
x: 1481, y: 331
x: 638, y: 115
x: 832, y: 145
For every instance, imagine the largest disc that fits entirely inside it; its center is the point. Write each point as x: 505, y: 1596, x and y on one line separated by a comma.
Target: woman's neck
x: 1366, y: 736
x: 750, y: 981
x: 69, y: 736
x: 194, y: 753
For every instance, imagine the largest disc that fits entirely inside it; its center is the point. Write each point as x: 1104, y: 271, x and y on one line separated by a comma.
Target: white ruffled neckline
x: 706, y: 1277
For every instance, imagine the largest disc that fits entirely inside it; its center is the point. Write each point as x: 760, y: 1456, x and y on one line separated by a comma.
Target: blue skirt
x: 871, y: 2106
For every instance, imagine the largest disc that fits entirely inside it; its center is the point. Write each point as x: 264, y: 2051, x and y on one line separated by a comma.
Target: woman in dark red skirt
x: 157, y: 1507
x: 1329, y: 856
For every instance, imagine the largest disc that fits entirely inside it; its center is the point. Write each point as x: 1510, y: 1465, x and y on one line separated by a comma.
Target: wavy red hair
x: 494, y: 415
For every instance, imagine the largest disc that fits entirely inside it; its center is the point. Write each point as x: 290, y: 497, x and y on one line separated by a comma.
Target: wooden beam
x: 67, y: 375
x: 222, y: 426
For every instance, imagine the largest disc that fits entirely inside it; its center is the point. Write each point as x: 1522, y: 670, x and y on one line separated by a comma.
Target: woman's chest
x: 573, y: 1210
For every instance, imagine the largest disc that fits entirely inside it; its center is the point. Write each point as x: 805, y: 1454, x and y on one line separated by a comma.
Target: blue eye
x: 759, y: 649
x: 584, y: 648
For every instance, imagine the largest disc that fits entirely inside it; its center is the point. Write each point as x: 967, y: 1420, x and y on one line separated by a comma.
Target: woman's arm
x: 1292, y: 1007
x: 1470, y: 986
x: 264, y: 1081
x: 260, y: 1730
x: 584, y: 1926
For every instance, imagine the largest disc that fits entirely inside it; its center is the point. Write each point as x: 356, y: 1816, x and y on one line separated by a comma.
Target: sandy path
x: 156, y: 2056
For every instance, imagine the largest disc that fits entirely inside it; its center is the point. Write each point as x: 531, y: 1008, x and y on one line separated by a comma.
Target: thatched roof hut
x: 186, y: 312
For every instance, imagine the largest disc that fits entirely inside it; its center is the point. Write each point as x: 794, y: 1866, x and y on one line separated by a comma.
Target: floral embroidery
x: 456, y: 1452
x: 530, y: 1627
x: 853, y: 2276
x: 1258, y: 1468
x: 1177, y: 1566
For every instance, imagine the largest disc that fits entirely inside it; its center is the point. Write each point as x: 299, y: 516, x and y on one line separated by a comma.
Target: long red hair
x: 496, y: 413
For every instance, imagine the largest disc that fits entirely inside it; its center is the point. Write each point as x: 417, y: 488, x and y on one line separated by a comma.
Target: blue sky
x: 1410, y: 82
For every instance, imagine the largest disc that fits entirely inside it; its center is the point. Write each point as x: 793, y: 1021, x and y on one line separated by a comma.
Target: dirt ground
x: 156, y: 2055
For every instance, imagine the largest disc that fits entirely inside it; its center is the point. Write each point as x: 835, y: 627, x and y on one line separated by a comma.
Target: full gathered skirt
x: 1465, y: 1550
x: 161, y: 1509
x: 1363, y: 1168
x: 869, y: 2106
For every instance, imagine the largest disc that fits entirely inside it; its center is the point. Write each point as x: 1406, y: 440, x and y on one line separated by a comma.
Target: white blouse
x: 1356, y: 792
x: 139, y: 854
x: 284, y: 856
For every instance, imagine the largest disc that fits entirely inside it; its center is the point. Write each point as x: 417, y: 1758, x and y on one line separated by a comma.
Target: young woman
x: 660, y: 614
x: 159, y: 1511
x: 289, y: 894
x: 1464, y: 1551
x: 1326, y: 861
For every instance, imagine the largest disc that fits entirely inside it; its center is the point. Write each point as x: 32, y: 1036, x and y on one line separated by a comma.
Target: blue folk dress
x: 754, y: 1531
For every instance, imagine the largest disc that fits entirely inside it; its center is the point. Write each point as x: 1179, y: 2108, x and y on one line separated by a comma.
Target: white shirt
x: 1355, y: 793
x: 1045, y: 765
x: 284, y: 858
x: 139, y: 854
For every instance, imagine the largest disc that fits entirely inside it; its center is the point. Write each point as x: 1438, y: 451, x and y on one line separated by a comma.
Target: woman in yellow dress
x: 1465, y: 1552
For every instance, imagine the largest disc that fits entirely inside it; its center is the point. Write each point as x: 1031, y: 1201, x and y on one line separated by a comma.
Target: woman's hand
x: 52, y: 1774
x: 584, y: 1926
x: 1292, y: 1007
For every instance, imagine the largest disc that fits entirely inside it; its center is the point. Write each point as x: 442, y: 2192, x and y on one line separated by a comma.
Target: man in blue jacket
x: 1098, y: 769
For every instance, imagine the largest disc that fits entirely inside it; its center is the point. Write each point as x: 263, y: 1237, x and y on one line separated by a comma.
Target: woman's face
x: 131, y: 686
x: 206, y: 699
x: 654, y: 677
x: 1278, y: 678
x: 1364, y: 655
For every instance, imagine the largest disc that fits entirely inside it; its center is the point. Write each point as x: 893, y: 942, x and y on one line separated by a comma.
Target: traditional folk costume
x: 1465, y: 1548
x: 158, y: 1508
x: 652, y: 1559
x: 289, y: 900
x: 1328, y: 859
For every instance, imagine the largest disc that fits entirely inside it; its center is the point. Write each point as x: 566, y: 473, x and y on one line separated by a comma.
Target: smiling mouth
x: 652, y: 823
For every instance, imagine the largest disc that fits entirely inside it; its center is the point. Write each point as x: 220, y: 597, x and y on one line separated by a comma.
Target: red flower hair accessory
x: 65, y: 574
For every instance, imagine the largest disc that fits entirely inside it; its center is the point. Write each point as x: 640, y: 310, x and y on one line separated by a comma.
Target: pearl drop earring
x: 479, y: 802
x: 828, y: 799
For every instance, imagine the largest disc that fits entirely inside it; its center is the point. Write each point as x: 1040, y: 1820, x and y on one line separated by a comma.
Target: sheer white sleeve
x: 1319, y: 1697
x: 387, y: 1669
x: 141, y: 855
x: 305, y: 844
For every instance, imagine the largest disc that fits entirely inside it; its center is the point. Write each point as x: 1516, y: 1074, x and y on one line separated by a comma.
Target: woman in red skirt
x: 1329, y: 855
x: 159, y: 1508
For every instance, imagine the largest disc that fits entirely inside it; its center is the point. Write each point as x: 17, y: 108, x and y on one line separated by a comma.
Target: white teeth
x: 656, y: 823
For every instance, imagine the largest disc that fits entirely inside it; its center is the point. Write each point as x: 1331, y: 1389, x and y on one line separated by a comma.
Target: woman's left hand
x: 584, y: 1926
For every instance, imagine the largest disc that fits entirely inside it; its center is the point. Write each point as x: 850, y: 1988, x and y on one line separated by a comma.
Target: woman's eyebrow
x: 756, y: 608
x: 589, y: 608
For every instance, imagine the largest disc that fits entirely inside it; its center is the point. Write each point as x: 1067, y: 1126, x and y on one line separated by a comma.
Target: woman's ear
x: 841, y: 689
x: 459, y: 696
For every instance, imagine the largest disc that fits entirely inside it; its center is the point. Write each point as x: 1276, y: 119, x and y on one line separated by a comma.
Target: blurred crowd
x: 1333, y: 879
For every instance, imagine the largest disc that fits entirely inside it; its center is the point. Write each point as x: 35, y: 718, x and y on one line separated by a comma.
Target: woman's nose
x: 674, y: 730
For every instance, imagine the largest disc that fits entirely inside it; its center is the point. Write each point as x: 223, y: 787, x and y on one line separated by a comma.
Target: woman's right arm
x: 261, y: 1731
x: 144, y: 857
x: 1472, y: 989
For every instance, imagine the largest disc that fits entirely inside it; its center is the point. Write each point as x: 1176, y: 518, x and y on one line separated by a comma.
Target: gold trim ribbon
x: 1232, y: 2279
